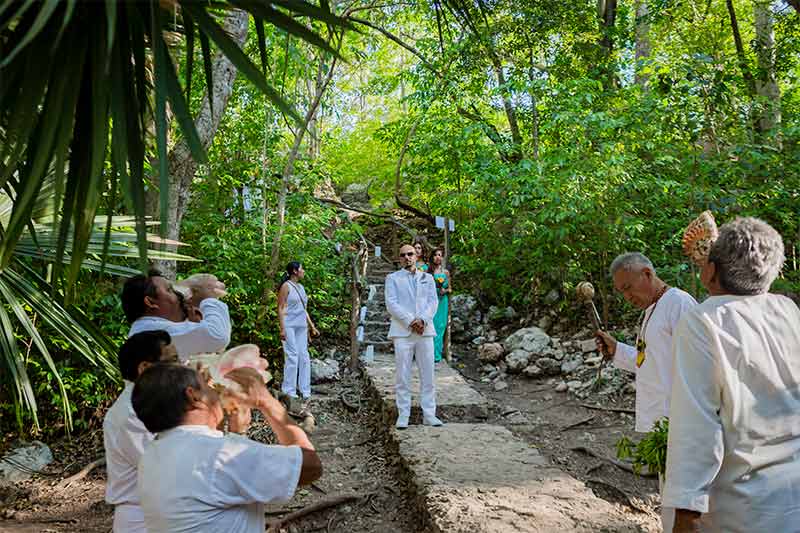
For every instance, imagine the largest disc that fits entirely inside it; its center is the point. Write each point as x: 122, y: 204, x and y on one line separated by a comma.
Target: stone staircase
x: 470, y: 476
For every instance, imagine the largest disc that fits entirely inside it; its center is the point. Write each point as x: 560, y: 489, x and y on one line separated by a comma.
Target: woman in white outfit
x: 295, y: 324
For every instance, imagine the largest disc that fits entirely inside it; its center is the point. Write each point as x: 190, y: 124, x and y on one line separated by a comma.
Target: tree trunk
x: 766, y: 83
x: 607, y: 13
x: 795, y: 4
x: 642, y: 41
x: 182, y: 165
x: 321, y: 85
x: 508, y: 106
x: 737, y: 41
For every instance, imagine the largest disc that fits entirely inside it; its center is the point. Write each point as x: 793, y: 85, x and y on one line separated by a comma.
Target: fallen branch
x: 578, y: 423
x: 325, y: 503
x: 610, y: 409
x: 81, y: 474
x: 346, y: 207
x: 619, y: 464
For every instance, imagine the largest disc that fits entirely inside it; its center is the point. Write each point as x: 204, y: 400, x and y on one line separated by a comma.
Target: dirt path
x: 350, y: 445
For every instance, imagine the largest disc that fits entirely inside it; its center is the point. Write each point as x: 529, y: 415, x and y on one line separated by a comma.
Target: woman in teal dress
x: 419, y: 247
x: 443, y: 288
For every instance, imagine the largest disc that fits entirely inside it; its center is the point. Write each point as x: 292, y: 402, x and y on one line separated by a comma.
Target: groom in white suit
x: 411, y: 301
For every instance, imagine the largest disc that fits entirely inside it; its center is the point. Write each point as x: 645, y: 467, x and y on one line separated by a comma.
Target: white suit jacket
x: 405, y: 305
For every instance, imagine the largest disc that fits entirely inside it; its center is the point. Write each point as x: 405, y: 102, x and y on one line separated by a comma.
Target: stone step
x: 480, y: 478
x: 455, y: 399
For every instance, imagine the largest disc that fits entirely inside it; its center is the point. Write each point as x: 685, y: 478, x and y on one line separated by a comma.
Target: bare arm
x: 283, y: 296
x: 286, y: 431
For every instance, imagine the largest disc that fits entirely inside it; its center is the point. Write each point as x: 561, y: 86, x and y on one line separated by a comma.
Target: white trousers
x: 405, y: 350
x: 128, y: 519
x: 667, y: 513
x: 296, y: 362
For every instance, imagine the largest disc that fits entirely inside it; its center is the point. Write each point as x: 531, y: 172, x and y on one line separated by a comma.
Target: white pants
x: 296, y: 363
x: 667, y: 513
x: 406, y: 349
x: 128, y: 519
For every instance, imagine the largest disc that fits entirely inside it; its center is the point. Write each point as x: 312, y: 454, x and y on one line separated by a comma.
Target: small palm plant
x: 25, y: 293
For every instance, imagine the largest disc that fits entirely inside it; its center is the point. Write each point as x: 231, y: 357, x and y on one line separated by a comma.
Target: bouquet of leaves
x: 650, y: 452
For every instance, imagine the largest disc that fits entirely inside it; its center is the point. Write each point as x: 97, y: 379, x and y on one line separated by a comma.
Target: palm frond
x: 89, y: 103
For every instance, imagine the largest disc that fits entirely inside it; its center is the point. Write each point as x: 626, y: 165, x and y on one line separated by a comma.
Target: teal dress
x: 440, y: 318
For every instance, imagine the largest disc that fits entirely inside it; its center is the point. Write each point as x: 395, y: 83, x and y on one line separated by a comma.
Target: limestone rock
x: 20, y: 461
x: 356, y: 194
x: 531, y: 339
x: 574, y: 384
x: 463, y: 306
x: 324, y: 370
x: 532, y: 371
x: 477, y: 341
x: 587, y: 345
x: 490, y: 352
x: 500, y: 385
x: 549, y: 366
x: 544, y: 323
x: 517, y: 360
x: 561, y: 387
x: 571, y: 363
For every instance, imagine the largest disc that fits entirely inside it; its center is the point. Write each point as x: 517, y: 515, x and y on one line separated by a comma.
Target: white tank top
x: 296, y: 302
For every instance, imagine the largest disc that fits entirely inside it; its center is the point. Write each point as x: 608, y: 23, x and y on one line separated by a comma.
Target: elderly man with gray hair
x: 651, y: 358
x: 733, y: 462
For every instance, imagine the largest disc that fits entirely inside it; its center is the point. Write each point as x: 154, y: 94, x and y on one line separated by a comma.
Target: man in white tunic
x: 150, y: 303
x: 193, y: 478
x: 733, y: 462
x: 124, y: 435
x: 651, y: 359
x: 411, y: 301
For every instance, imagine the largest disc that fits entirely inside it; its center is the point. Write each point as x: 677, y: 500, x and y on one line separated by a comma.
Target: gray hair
x: 748, y: 256
x: 629, y: 260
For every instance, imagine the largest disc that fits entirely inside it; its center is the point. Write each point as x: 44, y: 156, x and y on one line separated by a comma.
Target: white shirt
x: 124, y: 439
x: 734, y: 435
x: 408, y: 297
x: 212, y: 334
x: 296, y: 303
x: 195, y: 479
x: 654, y: 377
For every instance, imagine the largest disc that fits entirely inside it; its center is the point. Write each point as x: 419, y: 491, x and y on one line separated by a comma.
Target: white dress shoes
x: 432, y: 421
x: 402, y: 422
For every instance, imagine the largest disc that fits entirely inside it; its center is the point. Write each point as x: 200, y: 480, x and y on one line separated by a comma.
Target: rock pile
x: 572, y: 364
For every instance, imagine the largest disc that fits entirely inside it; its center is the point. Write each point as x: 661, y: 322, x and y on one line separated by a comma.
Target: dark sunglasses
x: 407, y: 254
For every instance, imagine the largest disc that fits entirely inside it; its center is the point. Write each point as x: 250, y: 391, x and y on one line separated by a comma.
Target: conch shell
x: 216, y: 366
x: 185, y: 286
x: 699, y: 236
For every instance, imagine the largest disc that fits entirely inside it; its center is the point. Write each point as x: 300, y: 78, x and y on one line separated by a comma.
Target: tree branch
x: 392, y: 37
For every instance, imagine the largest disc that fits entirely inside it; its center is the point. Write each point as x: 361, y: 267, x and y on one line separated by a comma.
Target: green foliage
x: 650, y: 452
x: 234, y: 251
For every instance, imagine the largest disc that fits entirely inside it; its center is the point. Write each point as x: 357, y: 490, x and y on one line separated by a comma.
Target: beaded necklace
x: 641, y: 345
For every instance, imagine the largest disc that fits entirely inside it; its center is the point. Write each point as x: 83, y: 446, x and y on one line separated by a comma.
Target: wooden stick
x: 578, y: 423
x: 81, y: 474
x: 619, y: 464
x: 610, y: 409
x: 325, y: 503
